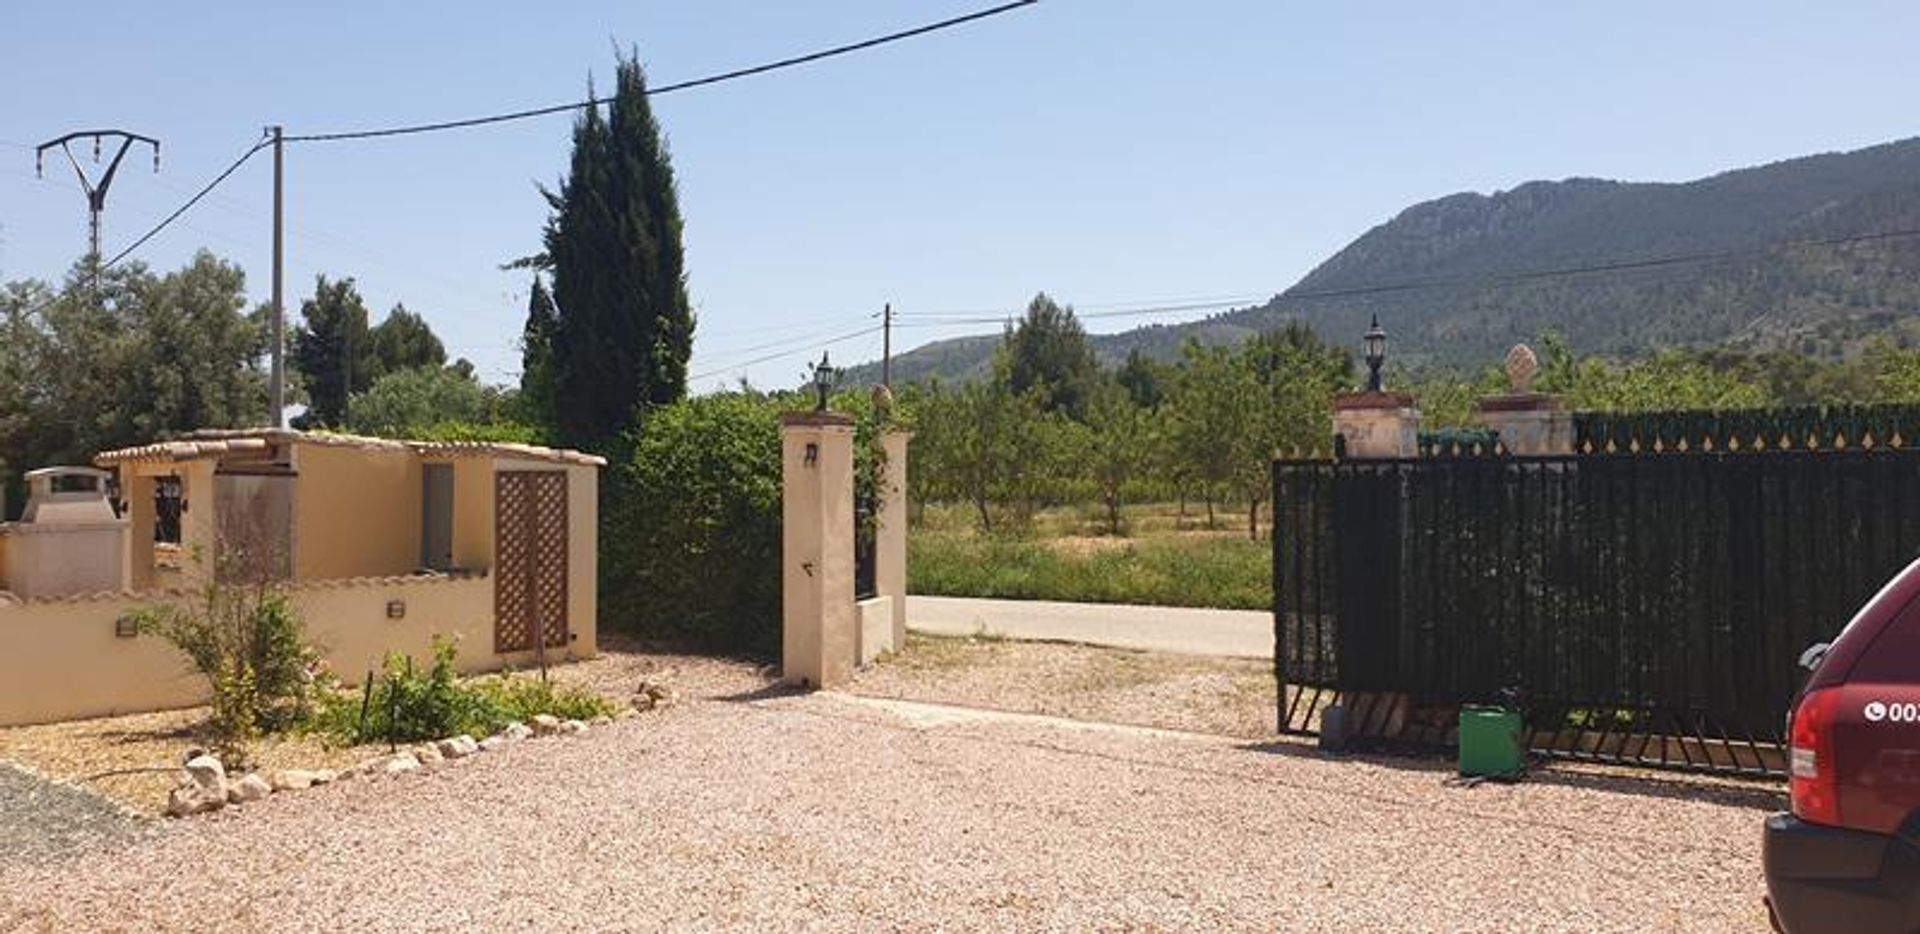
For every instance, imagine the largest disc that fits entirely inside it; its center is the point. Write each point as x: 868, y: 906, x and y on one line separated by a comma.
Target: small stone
x: 601, y: 720
x: 656, y: 694
x: 251, y: 787
x: 515, y: 732
x: 493, y: 744
x: 324, y: 776
x: 545, y: 724
x: 292, y: 779
x: 402, y: 762
x: 428, y: 754
x: 573, y: 727
x: 208, y: 775
x: 190, y: 799
x: 458, y: 747
x: 625, y: 713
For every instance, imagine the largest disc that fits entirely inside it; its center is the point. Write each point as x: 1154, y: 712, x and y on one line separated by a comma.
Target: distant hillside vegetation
x: 1458, y: 269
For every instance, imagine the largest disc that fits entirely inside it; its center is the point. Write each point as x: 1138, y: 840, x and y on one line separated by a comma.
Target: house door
x: 530, y: 575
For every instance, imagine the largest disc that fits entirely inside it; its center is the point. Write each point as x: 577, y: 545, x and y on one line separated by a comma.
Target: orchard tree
x: 1119, y: 448
x: 1210, y: 417
x: 1296, y: 376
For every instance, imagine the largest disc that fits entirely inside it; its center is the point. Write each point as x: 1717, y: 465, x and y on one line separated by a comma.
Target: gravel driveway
x: 41, y: 819
x: 827, y: 811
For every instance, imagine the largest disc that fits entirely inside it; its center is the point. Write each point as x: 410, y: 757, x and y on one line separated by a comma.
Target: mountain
x: 1719, y: 261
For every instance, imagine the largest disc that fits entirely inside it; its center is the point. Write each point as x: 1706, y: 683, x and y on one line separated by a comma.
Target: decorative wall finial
x: 1522, y: 367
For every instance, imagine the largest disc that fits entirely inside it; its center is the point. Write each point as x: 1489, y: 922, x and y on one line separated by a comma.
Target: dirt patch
x: 1227, y: 696
x: 1081, y: 546
x: 135, y: 759
x: 624, y: 662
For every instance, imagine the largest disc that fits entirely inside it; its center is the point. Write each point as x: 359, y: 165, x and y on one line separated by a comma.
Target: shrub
x: 412, y: 402
x: 406, y: 704
x: 510, y: 697
x: 248, y: 642
x: 499, y: 431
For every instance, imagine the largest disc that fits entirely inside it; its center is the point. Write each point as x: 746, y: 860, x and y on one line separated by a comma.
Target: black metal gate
x: 1641, y: 607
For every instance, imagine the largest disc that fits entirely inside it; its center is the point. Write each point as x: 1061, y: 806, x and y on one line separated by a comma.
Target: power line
x: 705, y: 334
x: 664, y: 89
x: 519, y: 115
x: 182, y: 209
x: 934, y: 319
x: 783, y: 342
x: 804, y: 347
x: 1198, y: 301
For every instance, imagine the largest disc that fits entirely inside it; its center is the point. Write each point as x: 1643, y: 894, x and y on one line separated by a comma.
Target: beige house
x: 383, y: 545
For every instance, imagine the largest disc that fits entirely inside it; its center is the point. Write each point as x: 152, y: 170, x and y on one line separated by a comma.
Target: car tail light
x: 1812, y: 777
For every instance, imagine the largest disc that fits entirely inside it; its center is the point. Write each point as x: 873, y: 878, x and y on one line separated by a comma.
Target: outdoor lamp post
x: 1375, y: 342
x: 823, y: 377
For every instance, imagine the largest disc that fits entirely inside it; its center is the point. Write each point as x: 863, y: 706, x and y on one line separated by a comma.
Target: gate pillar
x: 1376, y: 425
x: 890, y: 560
x: 1527, y: 422
x: 818, y: 638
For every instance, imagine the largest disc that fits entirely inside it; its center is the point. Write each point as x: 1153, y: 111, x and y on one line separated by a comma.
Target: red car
x: 1848, y: 856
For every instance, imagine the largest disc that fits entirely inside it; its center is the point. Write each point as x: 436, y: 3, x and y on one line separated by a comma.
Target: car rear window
x: 1894, y: 655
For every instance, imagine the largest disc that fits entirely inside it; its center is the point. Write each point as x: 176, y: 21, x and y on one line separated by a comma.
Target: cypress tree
x: 536, y: 356
x: 623, y: 324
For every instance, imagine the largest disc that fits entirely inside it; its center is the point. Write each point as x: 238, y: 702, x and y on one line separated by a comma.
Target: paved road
x: 1231, y: 633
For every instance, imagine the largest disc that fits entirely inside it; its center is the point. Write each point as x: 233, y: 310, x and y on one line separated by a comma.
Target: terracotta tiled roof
x: 216, y: 442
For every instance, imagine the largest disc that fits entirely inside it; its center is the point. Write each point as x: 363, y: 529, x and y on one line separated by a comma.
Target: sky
x: 1113, y: 153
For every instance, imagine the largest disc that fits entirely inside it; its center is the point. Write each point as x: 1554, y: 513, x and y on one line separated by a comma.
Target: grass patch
x: 1200, y: 571
x: 932, y: 653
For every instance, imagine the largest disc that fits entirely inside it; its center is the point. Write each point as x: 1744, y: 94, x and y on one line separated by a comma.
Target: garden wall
x: 60, y: 659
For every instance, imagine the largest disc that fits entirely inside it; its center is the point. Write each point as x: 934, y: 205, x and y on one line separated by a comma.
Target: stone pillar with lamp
x: 1375, y: 423
x: 818, y: 641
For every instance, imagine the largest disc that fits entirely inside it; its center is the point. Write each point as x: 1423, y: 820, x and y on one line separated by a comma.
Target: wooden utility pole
x: 277, y: 381
x: 886, y: 346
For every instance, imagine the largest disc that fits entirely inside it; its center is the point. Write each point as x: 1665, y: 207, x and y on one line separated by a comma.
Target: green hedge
x: 690, y: 527
x: 690, y: 522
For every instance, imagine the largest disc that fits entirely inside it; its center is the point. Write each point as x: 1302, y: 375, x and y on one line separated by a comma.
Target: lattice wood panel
x: 530, y: 579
